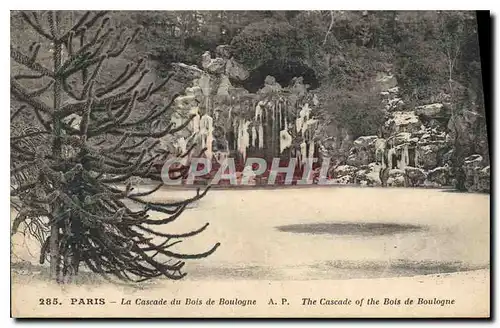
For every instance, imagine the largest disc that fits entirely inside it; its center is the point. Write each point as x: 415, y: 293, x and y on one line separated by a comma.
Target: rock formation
x: 274, y: 122
x: 414, y: 147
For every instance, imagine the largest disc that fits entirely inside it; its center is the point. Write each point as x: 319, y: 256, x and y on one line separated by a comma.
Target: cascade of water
x: 285, y: 140
x: 311, y: 149
x: 258, y: 129
x: 280, y: 112
x: 298, y: 123
x: 258, y: 112
x: 306, y: 127
x: 286, y: 120
x: 273, y: 126
x: 206, y: 133
x: 195, y: 122
x: 261, y: 135
x: 243, y: 137
x: 302, y: 122
x: 303, y: 152
x: 254, y: 136
x: 284, y: 135
x: 405, y: 156
x: 416, y: 157
x: 390, y: 154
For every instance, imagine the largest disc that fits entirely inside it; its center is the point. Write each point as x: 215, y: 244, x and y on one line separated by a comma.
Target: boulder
x: 224, y: 86
x: 344, y: 174
x: 473, y: 161
x: 368, y: 175
x: 396, y: 178
x: 394, y: 90
x: 428, y: 156
x: 186, y: 102
x: 344, y: 170
x: 205, y: 59
x: 462, y: 128
x: 432, y: 135
x: 204, y: 82
x: 270, y: 86
x: 401, y: 139
x: 223, y: 51
x: 414, y: 176
x: 431, y: 110
x: 365, y: 141
x: 359, y: 157
x: 216, y: 66
x: 438, y: 177
x: 186, y: 73
x: 386, y: 81
x: 400, y: 121
x: 73, y: 120
x: 477, y: 177
x: 213, y: 66
x: 298, y: 88
x: 236, y: 70
x: 394, y: 104
x: 346, y: 179
x: 238, y: 93
x: 484, y: 181
x: 362, y: 151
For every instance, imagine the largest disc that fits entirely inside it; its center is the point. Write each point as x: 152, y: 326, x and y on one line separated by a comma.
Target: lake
x: 329, y: 232
x: 334, y: 232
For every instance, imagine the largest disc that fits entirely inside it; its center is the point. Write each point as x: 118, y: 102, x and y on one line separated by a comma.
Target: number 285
x: 48, y: 301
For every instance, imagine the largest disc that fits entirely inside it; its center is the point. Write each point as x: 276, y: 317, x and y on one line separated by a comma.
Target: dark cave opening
x: 283, y: 72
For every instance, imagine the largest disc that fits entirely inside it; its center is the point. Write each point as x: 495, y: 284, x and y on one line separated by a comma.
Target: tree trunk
x: 55, y: 256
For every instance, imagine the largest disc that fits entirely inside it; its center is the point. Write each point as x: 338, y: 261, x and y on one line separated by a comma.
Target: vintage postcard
x: 254, y: 164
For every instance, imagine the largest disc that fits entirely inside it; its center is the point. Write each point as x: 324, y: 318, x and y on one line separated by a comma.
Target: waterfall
x: 254, y: 136
x: 261, y: 136
x: 206, y: 133
x: 416, y: 157
x: 298, y: 123
x: 285, y: 140
x: 280, y: 111
x: 258, y: 112
x: 258, y: 129
x: 195, y: 122
x: 311, y: 150
x: 403, y: 162
x: 406, y: 156
x: 389, y: 157
x: 273, y: 126
x: 243, y: 137
x: 303, y: 152
x: 302, y: 122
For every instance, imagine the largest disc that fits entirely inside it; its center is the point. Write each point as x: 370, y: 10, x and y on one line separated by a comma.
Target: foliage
x: 357, y: 110
x: 265, y: 40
